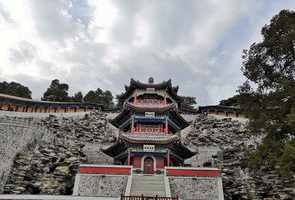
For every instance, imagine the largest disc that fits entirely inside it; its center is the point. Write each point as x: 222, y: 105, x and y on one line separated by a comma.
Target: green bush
x: 287, y: 160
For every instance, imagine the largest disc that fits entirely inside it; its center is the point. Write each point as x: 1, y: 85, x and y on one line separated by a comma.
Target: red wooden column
x: 166, y: 126
x: 129, y: 158
x: 132, y: 124
x: 168, y: 158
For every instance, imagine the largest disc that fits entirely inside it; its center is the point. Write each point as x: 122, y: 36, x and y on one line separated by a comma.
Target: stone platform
x: 113, y: 180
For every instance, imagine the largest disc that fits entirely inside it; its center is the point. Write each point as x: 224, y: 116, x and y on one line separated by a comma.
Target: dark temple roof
x: 181, y: 150
x: 165, y: 85
x: 126, y: 115
x: 130, y: 106
x: 174, y: 144
x: 115, y: 149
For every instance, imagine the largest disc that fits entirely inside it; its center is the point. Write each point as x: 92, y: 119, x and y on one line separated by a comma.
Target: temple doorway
x: 148, y: 165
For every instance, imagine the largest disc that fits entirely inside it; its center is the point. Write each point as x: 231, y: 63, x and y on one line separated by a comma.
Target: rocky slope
x: 48, y: 157
x: 227, y: 141
x: 51, y: 165
x: 16, y: 135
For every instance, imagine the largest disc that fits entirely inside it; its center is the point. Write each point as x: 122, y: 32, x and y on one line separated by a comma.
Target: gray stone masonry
x: 16, y: 135
x: 197, y: 188
x: 101, y: 185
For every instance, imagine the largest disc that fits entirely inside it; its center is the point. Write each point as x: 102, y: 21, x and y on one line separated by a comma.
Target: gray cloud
x: 4, y: 14
x: 197, y: 45
x: 62, y: 19
x: 25, y: 52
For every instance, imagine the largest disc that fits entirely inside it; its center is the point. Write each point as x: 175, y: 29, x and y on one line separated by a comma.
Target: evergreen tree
x: 15, y: 89
x: 56, y: 92
x: 268, y: 96
x: 120, y: 100
x: 100, y: 97
x: 78, y: 97
x: 91, y: 97
x: 232, y: 101
x: 108, y: 99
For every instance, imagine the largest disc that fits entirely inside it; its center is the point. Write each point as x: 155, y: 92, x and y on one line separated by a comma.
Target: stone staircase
x: 148, y: 185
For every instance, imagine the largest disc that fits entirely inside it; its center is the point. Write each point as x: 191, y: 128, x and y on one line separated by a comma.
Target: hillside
x: 44, y: 154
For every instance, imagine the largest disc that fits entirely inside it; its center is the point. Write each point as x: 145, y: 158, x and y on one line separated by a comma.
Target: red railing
x: 142, y: 197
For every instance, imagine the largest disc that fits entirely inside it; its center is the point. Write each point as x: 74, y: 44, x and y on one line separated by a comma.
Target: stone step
x: 145, y: 193
x: 148, y: 188
x: 156, y: 178
x: 149, y: 181
x: 148, y: 176
x: 148, y: 185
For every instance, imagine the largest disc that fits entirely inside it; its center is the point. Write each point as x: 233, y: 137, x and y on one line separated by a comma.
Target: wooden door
x: 148, y: 166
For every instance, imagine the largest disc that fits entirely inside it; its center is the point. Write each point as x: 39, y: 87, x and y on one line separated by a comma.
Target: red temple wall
x: 160, y: 163
x: 136, y: 162
x: 117, y: 170
x: 170, y: 171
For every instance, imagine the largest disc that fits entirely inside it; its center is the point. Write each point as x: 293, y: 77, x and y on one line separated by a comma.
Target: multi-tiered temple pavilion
x: 150, y: 125
x: 148, y: 154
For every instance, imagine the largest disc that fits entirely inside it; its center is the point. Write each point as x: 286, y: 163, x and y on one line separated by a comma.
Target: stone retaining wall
x: 196, y: 188
x: 16, y: 135
x: 100, y: 185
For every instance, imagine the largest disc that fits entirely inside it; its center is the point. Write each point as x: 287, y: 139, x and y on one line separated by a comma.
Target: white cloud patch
x: 104, y: 43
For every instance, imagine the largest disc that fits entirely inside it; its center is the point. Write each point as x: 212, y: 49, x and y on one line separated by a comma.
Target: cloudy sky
x: 104, y: 43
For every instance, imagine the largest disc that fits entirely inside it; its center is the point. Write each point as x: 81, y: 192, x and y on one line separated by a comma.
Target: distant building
x: 18, y: 104
x: 226, y: 111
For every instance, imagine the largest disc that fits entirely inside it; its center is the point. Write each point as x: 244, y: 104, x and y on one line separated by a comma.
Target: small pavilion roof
x: 165, y: 85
